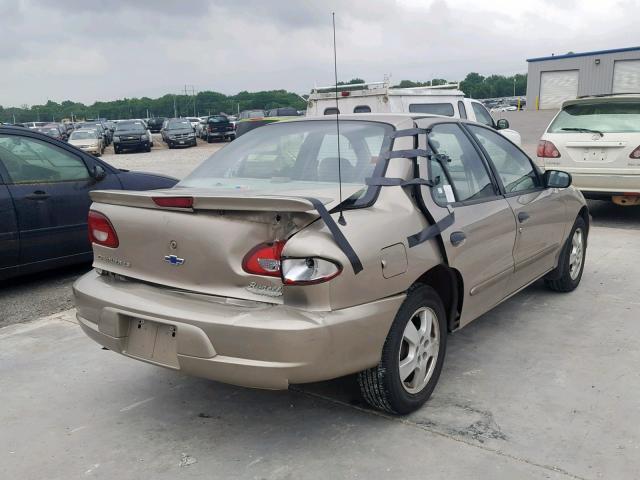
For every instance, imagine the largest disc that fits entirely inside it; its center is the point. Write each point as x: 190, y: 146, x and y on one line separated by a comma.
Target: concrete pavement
x: 545, y: 386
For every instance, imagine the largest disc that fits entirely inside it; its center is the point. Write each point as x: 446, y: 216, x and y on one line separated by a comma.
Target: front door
x: 8, y: 232
x: 539, y: 213
x: 50, y: 190
x: 480, y: 242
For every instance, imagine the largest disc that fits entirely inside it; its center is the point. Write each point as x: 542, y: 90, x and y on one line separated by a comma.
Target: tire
x: 567, y: 275
x: 382, y: 386
x: 147, y: 148
x: 116, y: 150
x: 209, y: 139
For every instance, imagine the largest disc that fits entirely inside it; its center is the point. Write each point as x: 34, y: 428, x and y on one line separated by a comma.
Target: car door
x: 9, y: 242
x: 480, y: 242
x: 50, y: 188
x: 539, y: 211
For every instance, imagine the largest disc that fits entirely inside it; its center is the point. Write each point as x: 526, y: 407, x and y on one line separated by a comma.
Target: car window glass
x: 28, y: 160
x: 466, y: 171
x: 462, y: 109
x: 362, y: 109
x: 482, y: 115
x: 514, y: 168
x: 445, y: 109
x: 331, y: 111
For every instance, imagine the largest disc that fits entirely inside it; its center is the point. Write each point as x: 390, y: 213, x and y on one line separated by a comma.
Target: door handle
x: 457, y: 238
x: 37, y: 195
x: 523, y: 217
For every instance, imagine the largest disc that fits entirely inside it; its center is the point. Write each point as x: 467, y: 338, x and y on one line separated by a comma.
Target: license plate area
x: 594, y: 155
x: 152, y: 341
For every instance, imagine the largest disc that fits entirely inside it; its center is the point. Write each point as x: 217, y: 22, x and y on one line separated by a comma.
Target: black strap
x: 395, y: 182
x: 432, y: 230
x: 406, y: 153
x: 410, y: 132
x: 338, y: 236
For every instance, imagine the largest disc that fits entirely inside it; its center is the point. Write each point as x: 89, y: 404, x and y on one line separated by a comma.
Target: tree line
x: 208, y: 102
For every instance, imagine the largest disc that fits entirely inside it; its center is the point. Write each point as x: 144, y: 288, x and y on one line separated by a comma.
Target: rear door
x: 539, y: 212
x: 480, y: 242
x: 9, y: 243
x: 50, y: 188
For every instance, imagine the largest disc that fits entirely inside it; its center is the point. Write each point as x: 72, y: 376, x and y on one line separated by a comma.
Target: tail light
x: 308, y: 271
x: 636, y: 153
x: 173, y: 202
x: 547, y: 149
x: 266, y: 259
x: 101, y: 232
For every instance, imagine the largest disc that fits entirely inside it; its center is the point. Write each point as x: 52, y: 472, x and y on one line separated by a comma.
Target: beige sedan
x: 288, y: 257
x: 87, y: 140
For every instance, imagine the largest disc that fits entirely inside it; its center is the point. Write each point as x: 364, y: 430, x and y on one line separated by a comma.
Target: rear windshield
x: 218, y: 119
x: 445, y: 109
x: 614, y: 117
x: 83, y: 135
x: 296, y: 156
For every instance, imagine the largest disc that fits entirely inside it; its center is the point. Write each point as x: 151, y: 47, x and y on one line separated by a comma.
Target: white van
x: 379, y: 97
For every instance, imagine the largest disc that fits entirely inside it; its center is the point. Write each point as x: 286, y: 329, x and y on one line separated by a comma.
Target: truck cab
x: 378, y: 97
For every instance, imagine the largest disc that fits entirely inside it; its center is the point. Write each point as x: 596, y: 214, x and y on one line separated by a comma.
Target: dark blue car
x: 44, y: 199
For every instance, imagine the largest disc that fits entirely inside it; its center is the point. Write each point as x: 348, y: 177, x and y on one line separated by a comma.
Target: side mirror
x: 556, y: 179
x: 502, y: 124
x: 98, y: 173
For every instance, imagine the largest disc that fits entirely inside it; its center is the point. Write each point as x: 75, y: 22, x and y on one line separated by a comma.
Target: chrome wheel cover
x: 576, y: 254
x: 419, y: 350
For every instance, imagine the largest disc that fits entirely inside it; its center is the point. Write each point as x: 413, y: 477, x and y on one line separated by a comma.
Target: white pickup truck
x: 379, y: 97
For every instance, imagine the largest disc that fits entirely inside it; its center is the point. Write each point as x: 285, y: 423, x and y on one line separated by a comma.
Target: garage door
x: 556, y: 87
x: 626, y: 76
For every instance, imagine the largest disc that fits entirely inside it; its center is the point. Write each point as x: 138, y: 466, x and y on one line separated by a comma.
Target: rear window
x: 614, y: 117
x: 331, y: 111
x: 362, y: 109
x: 218, y: 119
x: 295, y: 157
x: 445, y: 109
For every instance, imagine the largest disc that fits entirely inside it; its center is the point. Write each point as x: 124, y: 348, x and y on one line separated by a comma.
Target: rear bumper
x: 251, y: 344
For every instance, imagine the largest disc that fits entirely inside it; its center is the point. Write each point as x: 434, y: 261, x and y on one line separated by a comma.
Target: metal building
x: 552, y: 80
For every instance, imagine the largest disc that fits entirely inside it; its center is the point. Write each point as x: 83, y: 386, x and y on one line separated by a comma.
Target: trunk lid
x: 199, y: 249
x: 590, y: 151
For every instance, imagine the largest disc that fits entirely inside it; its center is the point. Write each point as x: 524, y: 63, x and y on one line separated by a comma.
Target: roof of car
x: 607, y: 98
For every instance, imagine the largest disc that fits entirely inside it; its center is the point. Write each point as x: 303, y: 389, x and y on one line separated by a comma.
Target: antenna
x: 341, y: 219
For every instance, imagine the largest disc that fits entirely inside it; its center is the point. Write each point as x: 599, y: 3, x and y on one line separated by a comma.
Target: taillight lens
x: 173, y: 202
x: 635, y: 153
x: 264, y: 259
x: 547, y: 149
x: 308, y: 271
x: 101, y: 232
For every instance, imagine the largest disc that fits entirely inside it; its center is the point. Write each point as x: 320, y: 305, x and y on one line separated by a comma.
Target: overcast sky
x: 87, y: 50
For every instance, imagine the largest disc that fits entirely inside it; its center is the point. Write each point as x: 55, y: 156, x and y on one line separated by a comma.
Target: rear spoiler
x: 146, y: 199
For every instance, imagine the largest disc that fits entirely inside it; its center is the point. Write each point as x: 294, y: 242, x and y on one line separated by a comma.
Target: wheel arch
x: 584, y: 213
x: 448, y: 284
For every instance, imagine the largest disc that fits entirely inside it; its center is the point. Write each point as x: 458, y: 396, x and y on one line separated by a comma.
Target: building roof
x: 583, y: 54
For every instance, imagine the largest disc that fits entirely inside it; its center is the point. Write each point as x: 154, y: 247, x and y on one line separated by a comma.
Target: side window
x: 462, y: 109
x: 331, y: 111
x: 362, y: 109
x: 459, y: 173
x: 514, y: 168
x: 28, y: 160
x: 445, y: 109
x: 482, y: 115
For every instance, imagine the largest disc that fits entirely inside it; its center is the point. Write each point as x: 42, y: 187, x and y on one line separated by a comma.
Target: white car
x: 597, y: 140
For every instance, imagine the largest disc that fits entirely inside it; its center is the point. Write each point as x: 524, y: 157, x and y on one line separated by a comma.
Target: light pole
x: 514, y: 86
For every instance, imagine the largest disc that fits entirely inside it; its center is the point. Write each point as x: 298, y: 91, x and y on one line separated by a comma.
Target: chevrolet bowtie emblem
x: 174, y: 260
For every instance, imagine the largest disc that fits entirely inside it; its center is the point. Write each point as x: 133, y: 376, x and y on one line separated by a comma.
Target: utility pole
x: 514, y: 86
x: 175, y: 112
